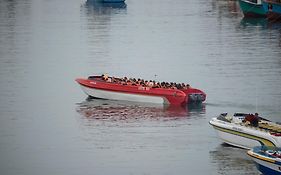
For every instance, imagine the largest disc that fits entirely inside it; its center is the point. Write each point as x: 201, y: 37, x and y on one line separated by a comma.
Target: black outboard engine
x: 196, y: 97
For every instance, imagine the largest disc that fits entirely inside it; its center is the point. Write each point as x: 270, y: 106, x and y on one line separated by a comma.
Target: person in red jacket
x: 253, y: 119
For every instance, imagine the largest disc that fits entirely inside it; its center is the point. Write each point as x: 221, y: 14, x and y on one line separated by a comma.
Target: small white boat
x: 234, y: 130
x: 267, y: 159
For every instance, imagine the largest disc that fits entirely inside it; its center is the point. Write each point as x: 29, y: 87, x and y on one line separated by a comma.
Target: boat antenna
x: 155, y: 77
x: 256, y: 99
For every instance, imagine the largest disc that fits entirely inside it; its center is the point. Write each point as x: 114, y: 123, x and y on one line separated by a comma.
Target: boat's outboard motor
x: 196, y: 97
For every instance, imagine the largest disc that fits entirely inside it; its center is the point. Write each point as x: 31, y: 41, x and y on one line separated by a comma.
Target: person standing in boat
x: 253, y: 119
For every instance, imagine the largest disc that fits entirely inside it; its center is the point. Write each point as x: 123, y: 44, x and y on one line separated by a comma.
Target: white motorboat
x: 237, y: 131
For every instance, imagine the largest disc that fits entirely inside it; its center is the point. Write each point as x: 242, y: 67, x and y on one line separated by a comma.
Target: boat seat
x: 263, y: 124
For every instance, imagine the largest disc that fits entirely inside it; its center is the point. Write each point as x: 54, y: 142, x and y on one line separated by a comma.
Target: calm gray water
x: 47, y: 126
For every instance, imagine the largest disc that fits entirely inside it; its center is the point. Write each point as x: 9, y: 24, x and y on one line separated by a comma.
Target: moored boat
x: 267, y: 159
x: 107, y: 1
x: 238, y: 130
x: 96, y: 86
x: 252, y: 8
x: 272, y: 9
x: 112, y: 1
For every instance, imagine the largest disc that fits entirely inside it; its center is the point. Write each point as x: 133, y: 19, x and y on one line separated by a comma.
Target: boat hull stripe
x: 260, y: 157
x: 262, y: 141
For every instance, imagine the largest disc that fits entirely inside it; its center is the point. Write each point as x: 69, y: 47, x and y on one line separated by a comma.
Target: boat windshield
x: 224, y: 117
x: 239, y: 117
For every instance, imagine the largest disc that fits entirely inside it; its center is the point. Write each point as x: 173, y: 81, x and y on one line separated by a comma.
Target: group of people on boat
x: 144, y: 83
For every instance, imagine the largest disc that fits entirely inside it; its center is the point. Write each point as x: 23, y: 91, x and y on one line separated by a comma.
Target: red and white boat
x: 96, y: 87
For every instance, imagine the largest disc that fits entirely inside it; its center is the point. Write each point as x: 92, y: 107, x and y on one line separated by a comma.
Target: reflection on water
x: 227, y: 8
x: 232, y: 160
x: 108, y: 110
x: 260, y: 22
x: 103, y: 30
x: 276, y: 25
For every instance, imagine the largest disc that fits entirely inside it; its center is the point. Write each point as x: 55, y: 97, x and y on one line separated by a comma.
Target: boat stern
x: 195, y: 95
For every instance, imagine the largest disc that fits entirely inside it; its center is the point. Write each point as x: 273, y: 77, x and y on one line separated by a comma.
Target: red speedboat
x: 96, y: 86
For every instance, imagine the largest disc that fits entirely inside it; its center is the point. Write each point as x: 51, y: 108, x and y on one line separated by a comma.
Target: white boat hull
x: 237, y: 140
x: 104, y: 94
x: 242, y: 136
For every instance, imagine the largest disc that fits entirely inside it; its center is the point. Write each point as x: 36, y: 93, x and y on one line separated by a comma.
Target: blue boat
x: 112, y: 1
x: 106, y: 1
x: 272, y: 8
x: 267, y: 159
x: 252, y: 8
